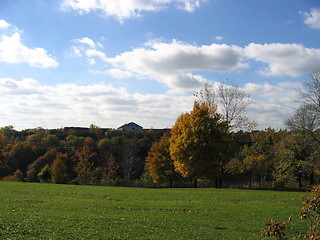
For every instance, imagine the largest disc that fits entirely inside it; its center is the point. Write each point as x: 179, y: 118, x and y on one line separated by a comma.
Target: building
x: 131, y: 126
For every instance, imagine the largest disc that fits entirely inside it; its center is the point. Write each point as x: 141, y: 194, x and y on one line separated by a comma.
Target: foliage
x: 159, y: 163
x: 258, y: 157
x: 45, y: 174
x: 17, y: 176
x: 275, y: 229
x: 199, y: 143
x: 296, y: 157
x: 58, y: 169
x: 311, y: 211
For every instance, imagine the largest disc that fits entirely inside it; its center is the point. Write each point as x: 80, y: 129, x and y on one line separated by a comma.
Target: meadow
x: 52, y: 211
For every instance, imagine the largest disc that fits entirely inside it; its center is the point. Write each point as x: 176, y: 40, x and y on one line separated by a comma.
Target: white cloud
x: 117, y: 73
x: 312, y: 18
x: 218, y: 38
x: 173, y: 63
x: 271, y: 104
x: 96, y: 53
x: 123, y: 9
x: 29, y: 104
x: 87, y: 41
x: 284, y: 59
x: 3, y: 24
x: 12, y: 50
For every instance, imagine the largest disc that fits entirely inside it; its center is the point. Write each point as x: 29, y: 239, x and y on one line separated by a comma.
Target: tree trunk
x: 311, y: 179
x: 300, y: 180
x: 218, y: 182
x: 171, y: 182
x: 195, y: 183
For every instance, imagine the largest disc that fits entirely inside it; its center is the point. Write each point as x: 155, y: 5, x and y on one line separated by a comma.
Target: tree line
x: 215, y: 143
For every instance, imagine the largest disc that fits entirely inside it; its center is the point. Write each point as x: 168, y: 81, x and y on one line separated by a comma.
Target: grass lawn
x: 49, y: 211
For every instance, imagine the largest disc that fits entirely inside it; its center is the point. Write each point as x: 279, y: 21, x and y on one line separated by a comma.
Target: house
x: 131, y: 126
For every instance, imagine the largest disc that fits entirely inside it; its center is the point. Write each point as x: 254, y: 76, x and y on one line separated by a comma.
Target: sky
x: 109, y: 62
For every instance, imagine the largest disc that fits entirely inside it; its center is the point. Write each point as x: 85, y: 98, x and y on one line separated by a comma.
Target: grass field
x: 48, y: 211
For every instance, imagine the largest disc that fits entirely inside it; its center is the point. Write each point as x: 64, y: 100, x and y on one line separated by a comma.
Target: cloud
x: 312, y: 18
x: 28, y: 104
x: 271, y: 104
x: 3, y: 24
x: 117, y: 73
x: 124, y: 9
x: 173, y: 63
x: 12, y: 50
x: 180, y: 66
x: 218, y: 38
x: 284, y: 59
x: 87, y: 41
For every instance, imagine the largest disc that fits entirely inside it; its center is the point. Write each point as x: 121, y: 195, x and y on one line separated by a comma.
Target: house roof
x: 128, y: 124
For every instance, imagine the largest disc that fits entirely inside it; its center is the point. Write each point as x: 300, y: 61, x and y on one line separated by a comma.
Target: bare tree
x: 231, y: 102
x: 306, y: 120
x: 310, y: 94
x: 307, y: 117
x: 131, y: 164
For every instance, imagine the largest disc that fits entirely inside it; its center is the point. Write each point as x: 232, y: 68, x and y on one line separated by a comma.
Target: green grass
x: 48, y: 211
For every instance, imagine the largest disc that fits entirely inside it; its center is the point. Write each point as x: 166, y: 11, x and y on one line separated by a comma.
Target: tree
x: 296, y: 158
x: 45, y: 174
x: 310, y: 94
x: 59, y: 169
x: 86, y: 162
x: 306, y: 120
x: 35, y: 167
x: 131, y: 165
x: 232, y: 103
x: 159, y: 163
x: 199, y: 143
x: 259, y: 156
x: 307, y: 117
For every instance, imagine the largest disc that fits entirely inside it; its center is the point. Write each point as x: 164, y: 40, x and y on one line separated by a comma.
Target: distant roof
x: 130, y: 123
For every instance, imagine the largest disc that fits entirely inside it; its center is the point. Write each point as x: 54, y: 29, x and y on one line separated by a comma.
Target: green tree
x: 258, y: 158
x: 297, y: 156
x: 45, y: 174
x: 159, y: 162
x: 200, y: 143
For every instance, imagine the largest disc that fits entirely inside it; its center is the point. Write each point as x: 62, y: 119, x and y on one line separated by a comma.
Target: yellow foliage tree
x: 200, y: 143
x: 159, y: 163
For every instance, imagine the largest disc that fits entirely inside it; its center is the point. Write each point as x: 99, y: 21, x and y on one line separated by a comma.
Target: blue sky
x: 109, y: 62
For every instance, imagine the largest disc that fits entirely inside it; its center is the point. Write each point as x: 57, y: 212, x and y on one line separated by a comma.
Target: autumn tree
x: 59, y: 169
x: 86, y: 162
x: 231, y: 101
x: 159, y: 163
x: 199, y: 143
x: 35, y: 167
